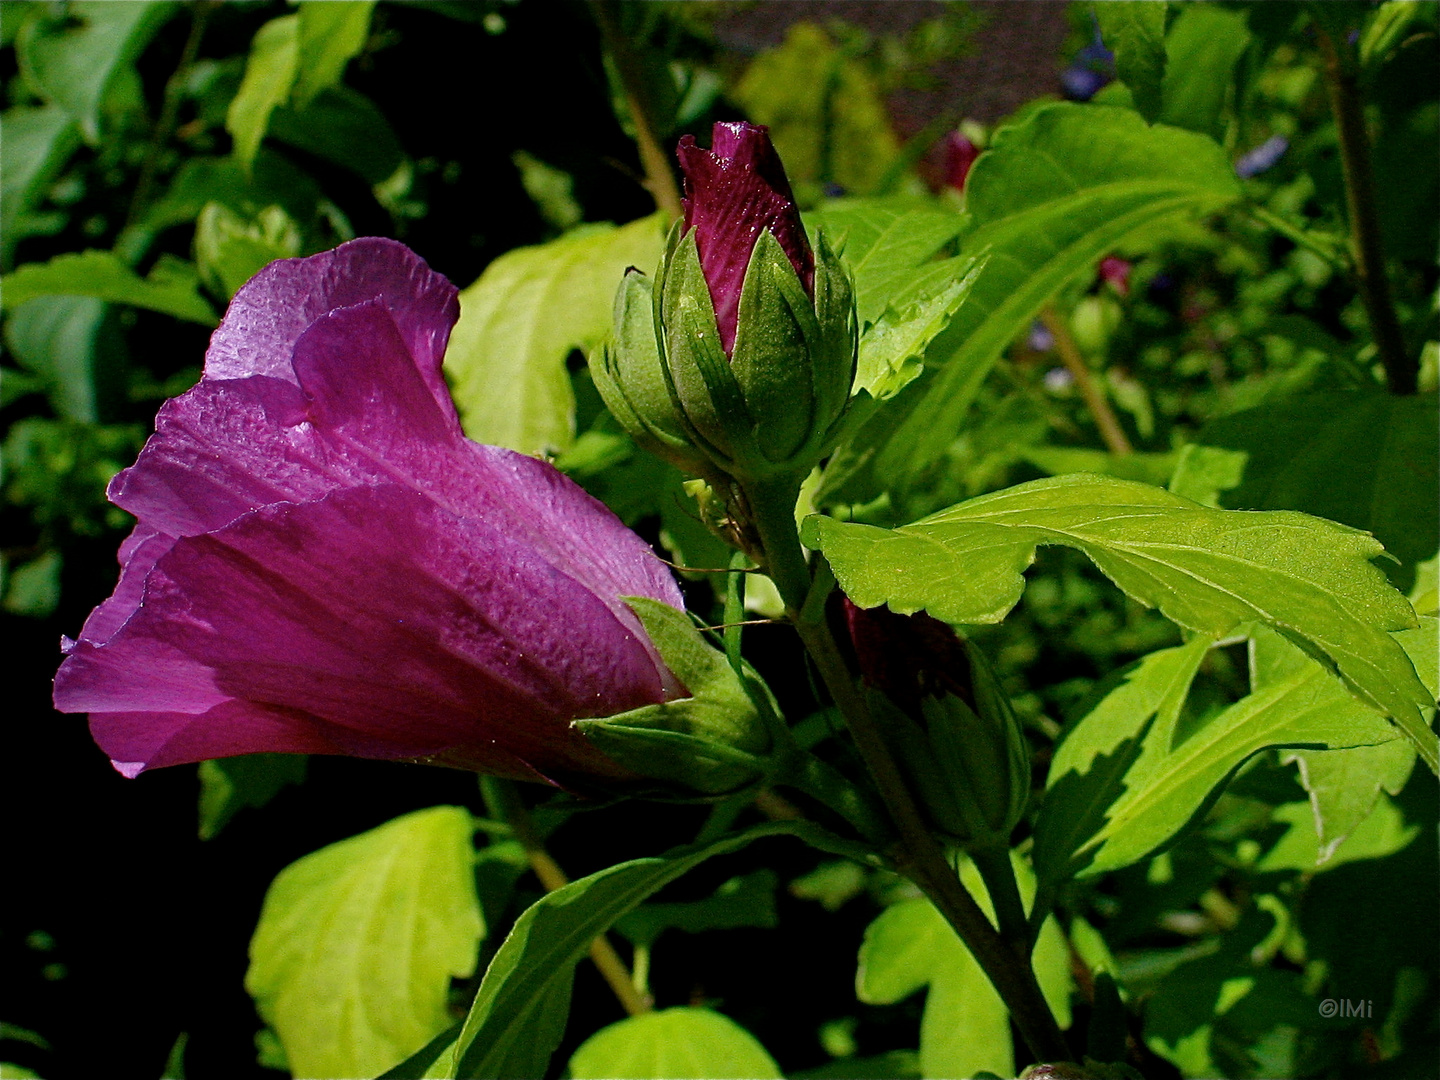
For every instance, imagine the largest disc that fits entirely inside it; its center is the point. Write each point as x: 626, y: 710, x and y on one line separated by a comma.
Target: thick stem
x: 1111, y: 432
x: 659, y: 179
x: 918, y: 855
x: 505, y: 803
x: 1342, y: 84
x: 998, y: 873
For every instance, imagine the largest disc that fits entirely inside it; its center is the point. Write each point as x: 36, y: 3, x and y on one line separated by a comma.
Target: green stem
x: 1343, y: 84
x: 1300, y: 237
x: 659, y: 179
x: 917, y: 855
x: 998, y: 873
x: 504, y: 802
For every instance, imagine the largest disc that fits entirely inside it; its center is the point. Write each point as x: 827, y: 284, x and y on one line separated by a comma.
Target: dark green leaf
x: 342, y: 126
x: 72, y: 343
x: 513, y: 1009
x: 170, y: 288
x: 1363, y: 458
x: 1203, y: 48
x: 1134, y: 30
x: 74, y: 66
x: 38, y: 142
x: 740, y: 902
x: 229, y: 785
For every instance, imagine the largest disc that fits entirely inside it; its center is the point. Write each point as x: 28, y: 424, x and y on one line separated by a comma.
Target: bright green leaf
x: 520, y: 321
x: 1208, y: 570
x: 1383, y: 832
x: 74, y: 66
x: 892, y: 350
x: 229, y: 785
x: 1203, y: 472
x: 1134, y: 30
x: 170, y: 288
x: 683, y: 1044
x: 824, y: 110
x: 270, y: 74
x: 1053, y: 195
x: 330, y: 34
x: 357, y: 943
x: 32, y: 588
x: 1203, y: 48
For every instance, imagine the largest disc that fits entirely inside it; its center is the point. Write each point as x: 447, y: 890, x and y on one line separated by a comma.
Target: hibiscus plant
x: 1006, y: 555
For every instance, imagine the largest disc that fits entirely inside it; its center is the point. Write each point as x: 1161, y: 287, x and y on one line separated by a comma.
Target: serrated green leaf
x: 678, y: 1043
x: 883, y: 242
x: 73, y: 66
x: 357, y: 943
x: 520, y: 321
x: 1203, y: 47
x: 229, y: 785
x: 1365, y: 459
x: 1052, y: 196
x: 170, y: 289
x: 231, y: 249
x: 1169, y: 776
x: 329, y: 35
x: 1345, y: 785
x: 1091, y: 767
x: 892, y: 350
x: 1208, y: 570
x: 1134, y: 30
x: 270, y: 73
x: 514, y: 1023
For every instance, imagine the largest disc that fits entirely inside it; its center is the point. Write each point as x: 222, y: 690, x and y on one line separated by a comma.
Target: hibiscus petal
x: 271, y: 311
x: 372, y: 620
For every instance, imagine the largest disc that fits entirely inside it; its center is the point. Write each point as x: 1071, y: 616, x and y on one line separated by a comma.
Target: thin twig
x: 1111, y: 433
x: 506, y: 803
x: 169, y: 111
x: 1367, y: 247
x: 659, y: 179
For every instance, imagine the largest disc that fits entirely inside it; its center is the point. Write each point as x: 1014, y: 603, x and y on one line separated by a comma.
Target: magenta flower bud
x: 323, y: 563
x: 1115, y: 272
x: 738, y: 360
x: 948, y: 722
x: 960, y: 154
x: 733, y: 192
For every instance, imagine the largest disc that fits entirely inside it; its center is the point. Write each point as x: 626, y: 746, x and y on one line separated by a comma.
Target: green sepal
x: 712, y: 743
x: 838, y: 356
x: 776, y: 341
x: 696, y: 368
x: 631, y: 380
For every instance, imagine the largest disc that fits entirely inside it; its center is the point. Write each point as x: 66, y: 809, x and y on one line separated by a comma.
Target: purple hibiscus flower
x: 733, y: 191
x: 323, y: 563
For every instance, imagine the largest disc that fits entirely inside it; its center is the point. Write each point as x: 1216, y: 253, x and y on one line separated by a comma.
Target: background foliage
x: 157, y: 154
